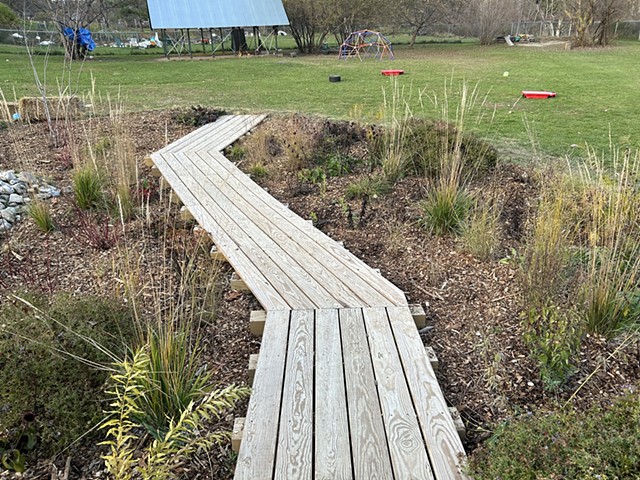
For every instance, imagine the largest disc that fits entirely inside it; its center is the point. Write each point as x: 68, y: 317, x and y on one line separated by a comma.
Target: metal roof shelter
x: 176, y: 14
x: 204, y: 15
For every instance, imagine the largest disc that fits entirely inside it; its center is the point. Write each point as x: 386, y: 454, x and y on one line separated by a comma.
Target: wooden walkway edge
x: 343, y: 388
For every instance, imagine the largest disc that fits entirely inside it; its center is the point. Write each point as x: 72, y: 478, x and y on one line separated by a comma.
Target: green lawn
x: 596, y: 88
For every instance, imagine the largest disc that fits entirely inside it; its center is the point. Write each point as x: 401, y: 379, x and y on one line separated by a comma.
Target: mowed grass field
x: 597, y: 89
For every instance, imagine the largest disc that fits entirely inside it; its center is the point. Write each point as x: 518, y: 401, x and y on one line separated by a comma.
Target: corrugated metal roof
x: 216, y: 13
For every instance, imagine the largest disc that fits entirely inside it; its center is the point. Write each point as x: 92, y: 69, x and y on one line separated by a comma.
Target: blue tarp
x: 82, y: 37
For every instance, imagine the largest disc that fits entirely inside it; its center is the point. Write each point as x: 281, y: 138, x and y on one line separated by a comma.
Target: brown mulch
x: 473, y: 307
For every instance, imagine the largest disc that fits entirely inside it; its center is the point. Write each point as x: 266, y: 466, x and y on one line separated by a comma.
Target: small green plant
x: 14, y: 451
x: 553, y: 335
x: 40, y: 213
x: 599, y: 443
x: 445, y: 209
x: 88, y: 187
x: 236, y: 152
x: 338, y: 165
x: 315, y: 176
x: 258, y: 170
x: 367, y: 187
x: 180, y: 438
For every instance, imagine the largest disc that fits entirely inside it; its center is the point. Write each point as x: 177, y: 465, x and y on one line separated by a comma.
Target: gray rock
x: 4, y: 226
x: 6, y: 189
x: 4, y: 198
x: 27, y: 177
x: 50, y: 190
x: 20, y: 188
x: 9, y: 214
x: 16, y: 199
x: 7, y: 176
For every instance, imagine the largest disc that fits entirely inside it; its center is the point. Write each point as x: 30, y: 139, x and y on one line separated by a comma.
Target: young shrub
x: 40, y: 213
x: 445, y: 209
x: 553, y: 336
x: 180, y: 440
x: 53, y: 364
x: 88, y: 187
x: 481, y: 233
x: 236, y: 152
x: 600, y: 443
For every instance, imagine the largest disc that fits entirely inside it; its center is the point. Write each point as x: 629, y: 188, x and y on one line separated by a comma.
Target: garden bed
x: 324, y: 171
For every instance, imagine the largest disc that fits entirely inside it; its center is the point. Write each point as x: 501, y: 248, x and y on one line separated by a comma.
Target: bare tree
x: 308, y: 22
x: 418, y: 13
x: 592, y: 19
x: 488, y: 18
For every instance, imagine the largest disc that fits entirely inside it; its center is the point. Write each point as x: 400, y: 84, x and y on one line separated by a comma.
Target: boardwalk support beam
x: 236, y: 434
x: 419, y: 315
x: 457, y: 421
x: 238, y: 283
x: 256, y: 322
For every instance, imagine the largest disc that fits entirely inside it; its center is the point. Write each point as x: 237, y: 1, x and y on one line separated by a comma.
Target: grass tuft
x: 482, y: 231
x: 88, y: 187
x: 40, y: 213
x: 445, y: 209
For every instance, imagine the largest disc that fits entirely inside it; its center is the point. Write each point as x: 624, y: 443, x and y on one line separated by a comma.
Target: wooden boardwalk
x: 343, y: 388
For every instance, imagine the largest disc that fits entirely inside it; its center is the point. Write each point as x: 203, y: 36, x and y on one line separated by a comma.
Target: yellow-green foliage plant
x: 183, y: 436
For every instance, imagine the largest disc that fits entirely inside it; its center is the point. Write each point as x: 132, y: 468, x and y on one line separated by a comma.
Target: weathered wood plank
x: 256, y: 458
x: 304, y: 257
x: 332, y: 447
x: 438, y: 431
x: 370, y: 451
x: 294, y: 459
x: 287, y: 276
x: 257, y: 319
x: 214, y: 135
x: 217, y: 220
x: 371, y: 289
x: 236, y: 434
x: 409, y: 457
x: 193, y: 136
x: 268, y: 295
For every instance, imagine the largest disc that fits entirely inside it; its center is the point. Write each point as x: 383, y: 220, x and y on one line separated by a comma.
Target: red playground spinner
x: 535, y: 94
x: 392, y: 73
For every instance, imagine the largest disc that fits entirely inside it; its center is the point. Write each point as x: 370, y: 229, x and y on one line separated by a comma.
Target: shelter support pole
x: 255, y: 38
x: 222, y: 40
x: 189, y: 42
x: 165, y: 48
x: 275, y: 32
x: 213, y: 50
x: 202, y: 41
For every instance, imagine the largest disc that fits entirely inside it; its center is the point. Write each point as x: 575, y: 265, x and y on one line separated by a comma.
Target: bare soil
x: 473, y: 307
